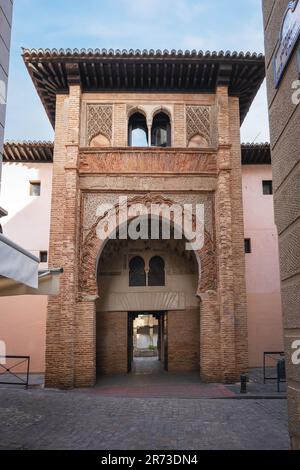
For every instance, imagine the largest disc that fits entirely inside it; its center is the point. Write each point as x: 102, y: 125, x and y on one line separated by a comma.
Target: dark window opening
x: 267, y: 188
x: 161, y: 131
x: 137, y: 131
x: 156, y: 277
x: 35, y: 188
x: 248, y: 248
x: 43, y: 256
x: 137, y: 273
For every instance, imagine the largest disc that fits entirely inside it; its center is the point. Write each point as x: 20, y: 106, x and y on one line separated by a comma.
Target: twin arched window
x: 156, y: 274
x: 138, y: 132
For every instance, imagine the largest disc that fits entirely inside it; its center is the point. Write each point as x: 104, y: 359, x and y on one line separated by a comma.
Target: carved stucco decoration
x: 99, y: 121
x: 92, y: 247
x: 92, y: 200
x: 198, y: 121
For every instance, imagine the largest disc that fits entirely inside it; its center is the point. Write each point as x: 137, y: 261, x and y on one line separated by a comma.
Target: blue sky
x: 124, y: 24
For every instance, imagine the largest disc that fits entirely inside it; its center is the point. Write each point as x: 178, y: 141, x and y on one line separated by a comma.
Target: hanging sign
x: 289, y: 35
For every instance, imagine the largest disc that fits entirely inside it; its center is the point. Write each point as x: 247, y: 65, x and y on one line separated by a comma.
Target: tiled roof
x: 98, y: 70
x: 256, y: 154
x: 28, y: 152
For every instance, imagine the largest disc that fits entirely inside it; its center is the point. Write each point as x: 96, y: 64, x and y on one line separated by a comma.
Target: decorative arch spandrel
x: 92, y: 248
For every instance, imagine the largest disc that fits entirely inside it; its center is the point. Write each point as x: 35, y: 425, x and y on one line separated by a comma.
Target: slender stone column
x: 149, y: 134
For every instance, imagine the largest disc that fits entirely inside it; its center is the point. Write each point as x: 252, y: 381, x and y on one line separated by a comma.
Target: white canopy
x: 20, y: 275
x: 48, y: 284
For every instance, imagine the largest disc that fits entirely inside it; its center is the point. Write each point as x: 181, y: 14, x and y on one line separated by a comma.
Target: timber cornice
x: 101, y: 70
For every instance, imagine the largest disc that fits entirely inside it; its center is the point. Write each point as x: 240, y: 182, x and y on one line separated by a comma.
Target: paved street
x: 44, y: 419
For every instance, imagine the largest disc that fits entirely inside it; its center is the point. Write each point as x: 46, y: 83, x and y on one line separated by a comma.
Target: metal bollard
x: 244, y: 380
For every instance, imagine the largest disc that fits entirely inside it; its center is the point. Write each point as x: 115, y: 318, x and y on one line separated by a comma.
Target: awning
x: 18, y: 264
x: 48, y: 284
x: 3, y: 212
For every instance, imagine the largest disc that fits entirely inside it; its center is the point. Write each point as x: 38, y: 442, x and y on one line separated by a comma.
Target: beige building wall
x: 285, y: 144
x: 23, y: 319
x: 262, y: 266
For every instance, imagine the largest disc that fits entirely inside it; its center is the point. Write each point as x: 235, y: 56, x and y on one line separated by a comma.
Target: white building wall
x: 23, y: 319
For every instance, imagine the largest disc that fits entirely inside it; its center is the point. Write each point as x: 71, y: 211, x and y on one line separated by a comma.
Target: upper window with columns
x: 154, y: 132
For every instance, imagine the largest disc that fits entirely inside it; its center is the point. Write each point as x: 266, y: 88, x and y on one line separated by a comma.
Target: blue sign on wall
x: 289, y: 35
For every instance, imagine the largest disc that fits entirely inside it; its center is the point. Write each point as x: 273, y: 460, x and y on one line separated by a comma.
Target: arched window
x: 156, y: 275
x: 161, y: 131
x: 137, y: 131
x: 137, y: 273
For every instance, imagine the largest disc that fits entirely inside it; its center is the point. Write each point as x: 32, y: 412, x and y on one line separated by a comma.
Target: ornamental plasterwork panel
x: 99, y: 121
x: 198, y: 121
x: 91, y: 202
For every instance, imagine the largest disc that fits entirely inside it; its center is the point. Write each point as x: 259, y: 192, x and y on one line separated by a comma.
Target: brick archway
x: 93, y: 246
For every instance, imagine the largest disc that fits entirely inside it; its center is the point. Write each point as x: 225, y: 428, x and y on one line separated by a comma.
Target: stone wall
x: 183, y: 341
x: 285, y: 144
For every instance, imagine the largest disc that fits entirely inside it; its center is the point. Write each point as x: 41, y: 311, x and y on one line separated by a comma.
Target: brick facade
x: 112, y: 343
x: 183, y: 341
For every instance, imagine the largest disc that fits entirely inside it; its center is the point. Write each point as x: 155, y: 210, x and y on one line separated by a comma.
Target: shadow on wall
x: 29, y: 226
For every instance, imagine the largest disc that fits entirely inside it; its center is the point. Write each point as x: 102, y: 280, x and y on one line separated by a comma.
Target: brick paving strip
x: 48, y: 419
x: 167, y: 385
x: 163, y: 391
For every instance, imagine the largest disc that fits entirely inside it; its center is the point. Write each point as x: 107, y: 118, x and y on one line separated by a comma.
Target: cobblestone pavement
x: 46, y: 419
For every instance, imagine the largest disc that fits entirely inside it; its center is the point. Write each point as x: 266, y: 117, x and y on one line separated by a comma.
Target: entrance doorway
x: 147, y: 342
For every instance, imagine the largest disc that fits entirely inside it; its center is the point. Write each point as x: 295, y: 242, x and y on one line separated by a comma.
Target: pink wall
x: 23, y: 319
x: 23, y: 328
x: 262, y: 266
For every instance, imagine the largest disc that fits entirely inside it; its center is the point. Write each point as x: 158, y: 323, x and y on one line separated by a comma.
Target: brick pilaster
x: 224, y: 241
x: 64, y: 244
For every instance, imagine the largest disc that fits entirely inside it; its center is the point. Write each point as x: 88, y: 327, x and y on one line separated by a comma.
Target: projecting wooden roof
x: 28, y: 152
x: 54, y: 70
x: 256, y: 154
x: 252, y: 154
